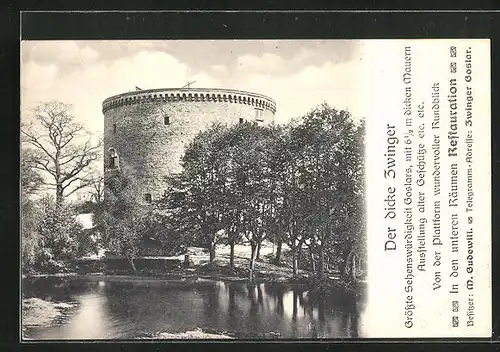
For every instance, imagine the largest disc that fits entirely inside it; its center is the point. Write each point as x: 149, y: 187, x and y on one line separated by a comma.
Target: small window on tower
x: 148, y: 198
x: 259, y: 115
x: 114, y: 128
x: 241, y: 120
x: 166, y: 120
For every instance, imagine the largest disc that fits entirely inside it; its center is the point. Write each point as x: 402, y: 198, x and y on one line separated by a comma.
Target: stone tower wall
x: 149, y: 147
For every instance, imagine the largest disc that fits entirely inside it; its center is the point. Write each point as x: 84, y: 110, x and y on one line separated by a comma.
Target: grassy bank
x: 41, y: 313
x: 265, y: 270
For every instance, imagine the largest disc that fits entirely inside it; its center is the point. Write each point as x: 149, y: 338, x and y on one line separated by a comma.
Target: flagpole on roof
x: 188, y: 85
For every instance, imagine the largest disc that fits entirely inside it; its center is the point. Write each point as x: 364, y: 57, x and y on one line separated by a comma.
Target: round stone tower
x: 147, y: 131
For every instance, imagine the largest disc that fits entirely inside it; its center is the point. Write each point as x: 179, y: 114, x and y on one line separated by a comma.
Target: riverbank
x: 207, y: 274
x: 38, y: 313
x: 200, y: 270
x: 41, y: 313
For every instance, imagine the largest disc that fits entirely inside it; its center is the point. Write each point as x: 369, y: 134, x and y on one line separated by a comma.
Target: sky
x: 297, y: 74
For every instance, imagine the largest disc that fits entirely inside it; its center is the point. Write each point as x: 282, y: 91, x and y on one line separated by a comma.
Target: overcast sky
x: 297, y: 74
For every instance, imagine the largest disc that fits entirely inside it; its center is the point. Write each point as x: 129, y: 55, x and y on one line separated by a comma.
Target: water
x: 110, y: 309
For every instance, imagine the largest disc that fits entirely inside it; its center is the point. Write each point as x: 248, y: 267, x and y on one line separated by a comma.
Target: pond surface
x: 110, y: 309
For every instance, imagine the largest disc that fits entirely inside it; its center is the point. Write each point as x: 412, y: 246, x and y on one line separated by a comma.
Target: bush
x: 30, y: 239
x: 60, y: 230
x: 53, y: 238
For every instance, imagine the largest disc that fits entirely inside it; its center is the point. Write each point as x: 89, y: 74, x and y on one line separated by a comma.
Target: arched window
x: 113, y: 159
x: 166, y: 120
x: 148, y: 198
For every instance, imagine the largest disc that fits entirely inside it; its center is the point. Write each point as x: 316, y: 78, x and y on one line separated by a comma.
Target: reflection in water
x: 90, y: 321
x: 126, y: 310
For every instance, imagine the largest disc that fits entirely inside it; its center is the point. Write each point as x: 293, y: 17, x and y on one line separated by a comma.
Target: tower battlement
x: 189, y: 95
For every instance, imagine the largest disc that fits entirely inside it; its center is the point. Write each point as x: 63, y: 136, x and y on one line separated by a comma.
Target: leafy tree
x: 158, y: 226
x: 59, y: 229
x: 225, y: 187
x: 57, y: 237
x: 291, y: 208
x: 175, y: 227
x: 30, y: 214
x: 30, y: 239
x: 354, y: 227
x: 31, y: 180
x: 277, y: 158
x: 59, y: 148
x: 203, y: 181
x: 248, y: 182
x: 302, y: 184
x: 330, y: 167
x: 119, y: 217
x: 51, y: 235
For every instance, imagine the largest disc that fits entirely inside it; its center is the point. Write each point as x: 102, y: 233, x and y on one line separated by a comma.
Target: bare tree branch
x: 83, y: 185
x: 56, y: 150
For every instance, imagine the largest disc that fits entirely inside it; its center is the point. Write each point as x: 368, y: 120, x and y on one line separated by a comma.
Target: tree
x: 61, y: 235
x: 31, y: 180
x: 247, y: 183
x: 291, y: 207
x: 254, y: 160
x: 330, y: 168
x: 277, y: 156
x: 203, y: 182
x: 354, y: 228
x: 119, y: 217
x: 59, y: 148
x: 96, y: 182
x: 316, y: 187
x: 51, y: 235
x: 226, y: 187
x: 301, y: 185
x: 173, y: 226
x: 30, y: 215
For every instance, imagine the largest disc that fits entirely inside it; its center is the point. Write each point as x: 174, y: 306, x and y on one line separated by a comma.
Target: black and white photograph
x: 255, y: 189
x: 193, y: 189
